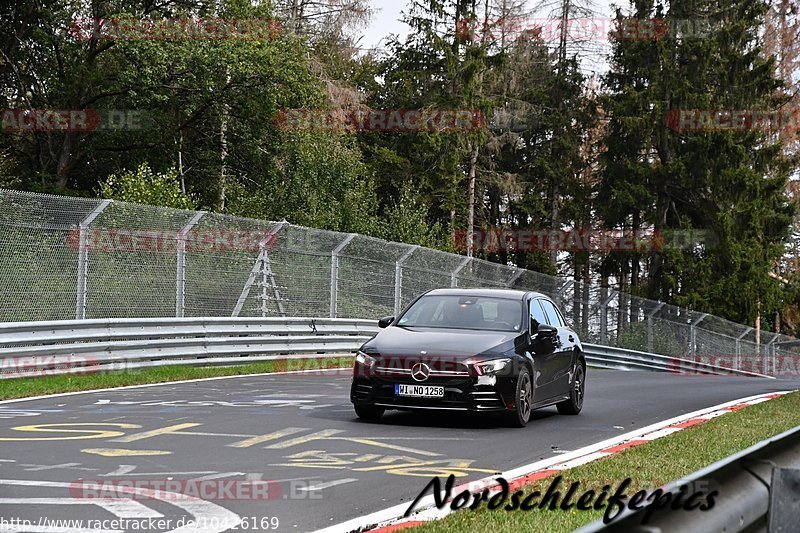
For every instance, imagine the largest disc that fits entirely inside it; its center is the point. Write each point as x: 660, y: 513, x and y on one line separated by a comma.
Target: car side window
x: 537, y: 313
x: 550, y: 312
x: 561, y: 318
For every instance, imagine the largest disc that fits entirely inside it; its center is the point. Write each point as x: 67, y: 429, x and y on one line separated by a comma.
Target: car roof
x: 486, y: 292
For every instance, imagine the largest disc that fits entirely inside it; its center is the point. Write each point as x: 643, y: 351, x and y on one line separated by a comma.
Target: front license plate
x: 419, y: 391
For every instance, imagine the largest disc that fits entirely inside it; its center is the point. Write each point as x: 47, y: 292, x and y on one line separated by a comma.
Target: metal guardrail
x: 74, y: 346
x: 55, y: 347
x: 758, y: 489
x: 622, y: 359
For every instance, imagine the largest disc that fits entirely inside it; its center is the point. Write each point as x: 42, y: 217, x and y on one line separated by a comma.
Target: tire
x: 368, y: 412
x: 577, y: 391
x: 523, y: 401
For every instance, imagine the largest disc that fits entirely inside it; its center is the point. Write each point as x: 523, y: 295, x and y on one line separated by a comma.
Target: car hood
x: 453, y: 344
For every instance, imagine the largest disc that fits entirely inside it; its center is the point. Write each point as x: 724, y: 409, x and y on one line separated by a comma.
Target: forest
x: 498, y: 118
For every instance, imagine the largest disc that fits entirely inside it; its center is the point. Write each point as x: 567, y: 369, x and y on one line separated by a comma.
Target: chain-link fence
x: 66, y: 258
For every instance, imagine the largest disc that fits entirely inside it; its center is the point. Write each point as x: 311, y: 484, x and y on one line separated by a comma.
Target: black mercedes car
x: 478, y: 350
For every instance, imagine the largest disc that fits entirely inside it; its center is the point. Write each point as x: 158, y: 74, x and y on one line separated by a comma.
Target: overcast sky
x: 387, y: 15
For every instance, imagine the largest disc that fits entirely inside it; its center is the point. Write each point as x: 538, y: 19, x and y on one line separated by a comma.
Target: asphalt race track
x: 300, y: 433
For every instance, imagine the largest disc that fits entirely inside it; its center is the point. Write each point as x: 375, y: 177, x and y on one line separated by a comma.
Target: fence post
x: 650, y: 326
x: 773, y: 353
x: 83, y: 259
x: 604, y: 314
x: 459, y: 268
x: 514, y: 277
x: 398, y: 278
x: 560, y: 294
x: 739, y: 346
x: 180, y: 268
x: 335, y: 273
x: 693, y: 333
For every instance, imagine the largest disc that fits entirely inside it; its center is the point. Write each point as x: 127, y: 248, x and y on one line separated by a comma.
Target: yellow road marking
x: 246, y: 443
x: 306, y: 465
x: 366, y: 457
x: 371, y: 442
x: 119, y: 452
x: 85, y: 433
x: 155, y: 432
x: 324, y: 434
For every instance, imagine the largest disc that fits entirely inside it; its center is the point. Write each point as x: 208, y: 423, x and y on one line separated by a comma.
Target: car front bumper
x: 463, y: 394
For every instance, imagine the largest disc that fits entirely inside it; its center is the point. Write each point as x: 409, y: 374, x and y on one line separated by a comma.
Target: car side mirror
x: 385, y: 321
x: 546, y: 331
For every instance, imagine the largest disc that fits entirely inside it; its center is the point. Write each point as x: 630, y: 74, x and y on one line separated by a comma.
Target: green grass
x: 37, y: 386
x: 649, y: 465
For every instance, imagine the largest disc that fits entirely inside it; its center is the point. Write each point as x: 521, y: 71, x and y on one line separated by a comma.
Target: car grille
x: 400, y: 368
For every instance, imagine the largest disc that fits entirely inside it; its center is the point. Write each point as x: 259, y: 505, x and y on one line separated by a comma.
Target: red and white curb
x: 392, y: 519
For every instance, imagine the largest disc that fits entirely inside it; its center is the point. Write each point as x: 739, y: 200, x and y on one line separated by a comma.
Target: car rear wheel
x: 523, y: 401
x: 368, y: 412
x: 577, y: 388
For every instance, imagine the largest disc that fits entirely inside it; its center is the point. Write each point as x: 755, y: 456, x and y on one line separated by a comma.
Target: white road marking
x: 53, y: 529
x: 328, y: 484
x: 218, y: 476
x: 121, y: 471
x: 123, y: 507
x: 216, y: 518
x: 67, y: 466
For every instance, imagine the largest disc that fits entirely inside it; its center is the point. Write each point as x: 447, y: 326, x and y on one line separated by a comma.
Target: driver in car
x: 507, y: 316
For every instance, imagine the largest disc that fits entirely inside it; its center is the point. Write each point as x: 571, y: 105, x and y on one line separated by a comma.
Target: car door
x: 563, y: 355
x: 544, y: 356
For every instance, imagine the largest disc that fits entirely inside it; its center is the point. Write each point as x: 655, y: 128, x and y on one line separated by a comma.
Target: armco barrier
x: 757, y: 489
x: 74, y: 346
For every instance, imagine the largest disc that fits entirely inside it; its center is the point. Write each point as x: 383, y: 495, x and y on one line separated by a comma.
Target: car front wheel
x: 524, y: 399
x: 577, y: 388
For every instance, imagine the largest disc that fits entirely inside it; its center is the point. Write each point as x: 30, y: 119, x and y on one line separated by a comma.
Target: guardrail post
x: 335, y: 273
x: 459, y: 268
x: 83, y: 259
x: 739, y: 346
x: 650, y: 326
x: 180, y: 269
x: 604, y: 315
x: 693, y: 333
x: 398, y: 278
x: 258, y: 267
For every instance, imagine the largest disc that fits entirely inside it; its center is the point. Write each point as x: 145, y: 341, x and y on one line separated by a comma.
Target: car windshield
x: 464, y: 312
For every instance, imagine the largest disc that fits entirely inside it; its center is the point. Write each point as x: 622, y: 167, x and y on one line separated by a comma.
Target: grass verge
x: 649, y: 466
x: 37, y: 386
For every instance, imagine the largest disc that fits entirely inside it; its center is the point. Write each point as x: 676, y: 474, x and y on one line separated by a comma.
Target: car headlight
x: 366, y: 360
x: 491, y: 367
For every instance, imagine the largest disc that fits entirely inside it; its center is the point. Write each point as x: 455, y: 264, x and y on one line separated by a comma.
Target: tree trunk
x: 473, y: 163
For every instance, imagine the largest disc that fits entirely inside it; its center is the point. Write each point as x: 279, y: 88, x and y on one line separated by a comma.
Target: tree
x: 727, y: 182
x: 143, y: 186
